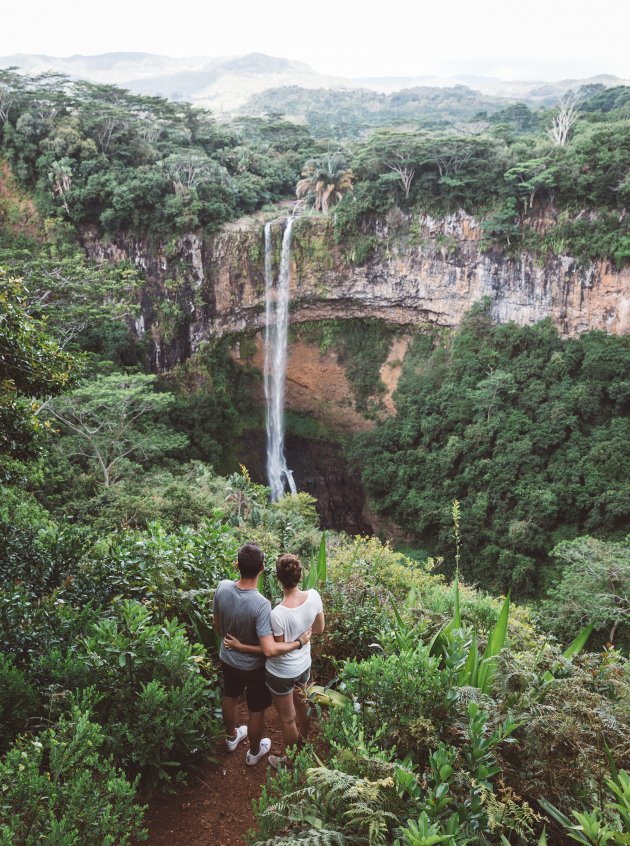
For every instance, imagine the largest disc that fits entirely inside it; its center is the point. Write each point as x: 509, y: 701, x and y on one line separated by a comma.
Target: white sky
x: 508, y: 38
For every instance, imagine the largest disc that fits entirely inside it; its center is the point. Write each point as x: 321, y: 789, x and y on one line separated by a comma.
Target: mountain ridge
x: 226, y: 83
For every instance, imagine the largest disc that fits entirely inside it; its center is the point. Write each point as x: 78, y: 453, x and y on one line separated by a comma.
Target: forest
x: 474, y: 684
x: 96, y: 155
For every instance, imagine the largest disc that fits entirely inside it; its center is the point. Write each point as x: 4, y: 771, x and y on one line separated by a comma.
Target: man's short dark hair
x: 250, y: 560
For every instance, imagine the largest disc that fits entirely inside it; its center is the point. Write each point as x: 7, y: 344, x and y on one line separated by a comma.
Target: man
x: 240, y: 610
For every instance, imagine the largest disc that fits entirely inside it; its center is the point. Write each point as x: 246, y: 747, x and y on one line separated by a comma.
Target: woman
x: 287, y: 675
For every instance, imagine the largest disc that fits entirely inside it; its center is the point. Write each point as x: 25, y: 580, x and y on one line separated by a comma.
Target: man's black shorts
x: 236, y: 681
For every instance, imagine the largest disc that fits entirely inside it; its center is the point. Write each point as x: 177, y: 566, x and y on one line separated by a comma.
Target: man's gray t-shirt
x: 246, y: 614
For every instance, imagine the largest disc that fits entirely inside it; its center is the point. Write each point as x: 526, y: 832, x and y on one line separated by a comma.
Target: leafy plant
x: 410, y: 689
x: 317, y: 573
x: 58, y: 787
x: 157, y: 710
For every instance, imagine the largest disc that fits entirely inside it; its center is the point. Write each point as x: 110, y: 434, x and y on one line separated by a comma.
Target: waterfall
x: 276, y: 337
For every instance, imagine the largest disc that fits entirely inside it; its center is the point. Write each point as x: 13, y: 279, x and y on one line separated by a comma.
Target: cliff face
x: 422, y: 271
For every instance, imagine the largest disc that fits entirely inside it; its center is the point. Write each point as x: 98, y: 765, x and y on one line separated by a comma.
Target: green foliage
x: 593, y: 585
x: 354, y: 620
x: 270, y: 809
x: 610, y: 824
x: 170, y: 573
x: 528, y: 431
x: 401, y: 694
x: 18, y: 700
x: 85, y: 305
x: 58, y: 788
x: 154, y: 705
x: 99, y: 155
x: 113, y: 422
x: 32, y: 365
x: 67, y: 617
x: 317, y: 574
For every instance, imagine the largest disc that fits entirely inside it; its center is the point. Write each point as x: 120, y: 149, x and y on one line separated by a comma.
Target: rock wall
x: 419, y: 271
x: 422, y: 271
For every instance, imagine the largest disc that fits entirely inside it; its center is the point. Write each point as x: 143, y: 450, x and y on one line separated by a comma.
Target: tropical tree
x: 325, y: 180
x: 594, y: 586
x: 60, y: 176
x: 31, y: 365
x: 112, y: 423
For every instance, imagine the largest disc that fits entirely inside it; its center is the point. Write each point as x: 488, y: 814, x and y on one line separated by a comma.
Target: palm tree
x: 60, y: 175
x: 325, y: 180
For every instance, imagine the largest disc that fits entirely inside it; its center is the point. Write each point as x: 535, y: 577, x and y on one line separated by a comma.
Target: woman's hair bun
x: 289, y: 569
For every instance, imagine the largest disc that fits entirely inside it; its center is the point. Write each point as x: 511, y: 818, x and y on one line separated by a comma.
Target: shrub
x: 157, y: 710
x: 402, y: 698
x: 172, y: 573
x: 32, y: 626
x: 354, y: 619
x: 59, y: 790
x: 18, y: 700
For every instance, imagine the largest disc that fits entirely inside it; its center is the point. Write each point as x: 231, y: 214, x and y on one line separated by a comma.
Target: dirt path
x: 215, y: 808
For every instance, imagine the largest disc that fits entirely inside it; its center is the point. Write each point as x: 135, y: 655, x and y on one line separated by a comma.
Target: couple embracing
x: 265, y: 652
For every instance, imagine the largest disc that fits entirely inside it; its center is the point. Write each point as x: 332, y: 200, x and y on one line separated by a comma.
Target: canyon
x: 416, y: 272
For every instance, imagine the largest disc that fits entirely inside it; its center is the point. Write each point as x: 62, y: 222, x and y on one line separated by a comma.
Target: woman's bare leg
x: 302, y: 712
x: 286, y: 712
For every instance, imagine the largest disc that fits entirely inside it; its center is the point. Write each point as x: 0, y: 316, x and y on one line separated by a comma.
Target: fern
x: 339, y: 810
x: 509, y: 812
x: 312, y: 837
x: 365, y: 801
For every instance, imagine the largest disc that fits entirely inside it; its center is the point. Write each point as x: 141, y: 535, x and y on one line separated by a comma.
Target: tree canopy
x: 529, y: 432
x: 32, y: 367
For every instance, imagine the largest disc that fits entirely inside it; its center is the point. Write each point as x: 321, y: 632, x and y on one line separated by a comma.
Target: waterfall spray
x: 276, y: 338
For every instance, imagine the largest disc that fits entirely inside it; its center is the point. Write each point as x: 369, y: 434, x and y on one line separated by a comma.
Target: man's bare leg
x: 255, y: 730
x: 229, y: 706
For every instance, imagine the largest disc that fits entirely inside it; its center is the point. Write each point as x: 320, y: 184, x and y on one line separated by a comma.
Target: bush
x: 59, y: 790
x: 402, y: 698
x: 32, y: 626
x: 354, y: 620
x: 18, y: 701
x: 171, y: 573
x: 157, y: 710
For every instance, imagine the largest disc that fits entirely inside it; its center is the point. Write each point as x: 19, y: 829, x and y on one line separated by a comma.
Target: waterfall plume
x: 276, y: 339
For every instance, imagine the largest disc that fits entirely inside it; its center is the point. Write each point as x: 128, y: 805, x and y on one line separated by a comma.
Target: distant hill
x: 223, y: 84
x: 229, y: 84
x: 532, y: 91
x: 349, y: 112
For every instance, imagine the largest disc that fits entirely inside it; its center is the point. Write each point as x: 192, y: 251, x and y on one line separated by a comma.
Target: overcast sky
x: 530, y: 39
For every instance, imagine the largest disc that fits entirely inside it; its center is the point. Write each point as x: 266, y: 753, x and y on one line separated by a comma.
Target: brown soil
x: 215, y: 807
x: 18, y: 214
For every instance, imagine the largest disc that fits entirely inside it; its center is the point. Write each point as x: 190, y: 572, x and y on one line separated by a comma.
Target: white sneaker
x: 241, y: 734
x: 265, y: 746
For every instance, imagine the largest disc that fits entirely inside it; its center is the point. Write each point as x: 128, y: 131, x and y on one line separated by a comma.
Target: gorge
x: 419, y: 272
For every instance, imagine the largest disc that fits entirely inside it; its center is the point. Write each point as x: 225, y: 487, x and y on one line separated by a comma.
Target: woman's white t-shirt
x: 291, y: 622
